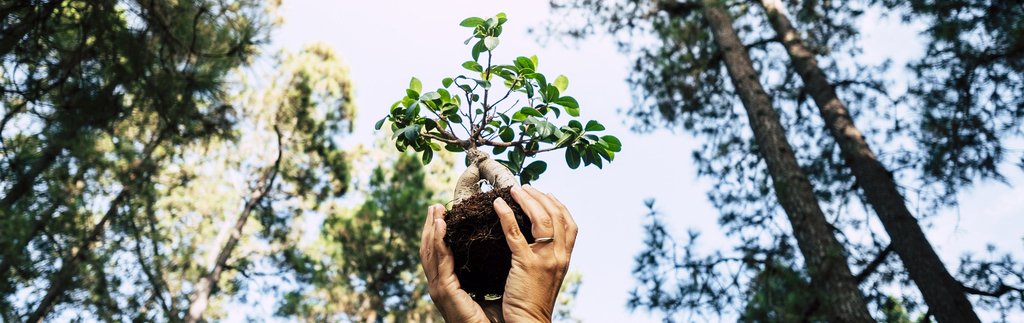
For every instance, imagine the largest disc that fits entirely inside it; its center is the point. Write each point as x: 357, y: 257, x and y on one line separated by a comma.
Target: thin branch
x: 873, y: 265
x: 998, y: 292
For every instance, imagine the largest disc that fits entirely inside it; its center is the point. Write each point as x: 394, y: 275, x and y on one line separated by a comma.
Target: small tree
x: 516, y: 122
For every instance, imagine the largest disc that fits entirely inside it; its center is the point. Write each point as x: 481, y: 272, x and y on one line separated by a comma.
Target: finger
x: 557, y: 217
x: 541, y: 221
x: 445, y: 261
x: 571, y: 230
x: 515, y: 239
x: 427, y: 243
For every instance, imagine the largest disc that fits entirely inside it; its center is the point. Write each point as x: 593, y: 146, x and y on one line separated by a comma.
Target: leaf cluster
x: 517, y: 118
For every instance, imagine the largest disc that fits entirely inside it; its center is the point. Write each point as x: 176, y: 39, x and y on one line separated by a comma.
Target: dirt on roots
x: 482, y: 257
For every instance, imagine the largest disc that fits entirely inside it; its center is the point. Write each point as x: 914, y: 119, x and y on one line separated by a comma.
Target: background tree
x: 96, y: 97
x: 677, y: 77
x: 364, y: 266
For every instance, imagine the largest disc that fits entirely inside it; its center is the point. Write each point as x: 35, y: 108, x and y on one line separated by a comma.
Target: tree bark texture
x: 824, y: 255
x: 943, y: 293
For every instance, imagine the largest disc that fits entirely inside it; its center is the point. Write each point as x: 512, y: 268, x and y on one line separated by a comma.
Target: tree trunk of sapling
x: 482, y: 257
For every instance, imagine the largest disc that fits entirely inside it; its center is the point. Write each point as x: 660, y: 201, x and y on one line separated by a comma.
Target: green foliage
x: 466, y: 114
x: 365, y: 264
x: 98, y: 99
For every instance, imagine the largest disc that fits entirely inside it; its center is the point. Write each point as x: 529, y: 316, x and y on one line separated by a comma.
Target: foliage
x: 967, y: 87
x: 97, y: 97
x: 424, y: 120
x: 365, y: 265
x: 679, y: 81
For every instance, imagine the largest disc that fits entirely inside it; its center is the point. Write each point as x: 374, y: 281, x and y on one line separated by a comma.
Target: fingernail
x: 527, y: 186
x: 500, y: 202
x: 517, y: 190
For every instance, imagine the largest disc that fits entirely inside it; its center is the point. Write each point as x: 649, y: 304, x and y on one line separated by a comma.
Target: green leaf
x: 571, y: 106
x: 471, y: 22
x: 491, y: 42
x: 502, y: 18
x: 518, y: 116
x: 473, y: 66
x: 613, y: 143
x: 506, y: 134
x: 536, y: 167
x: 415, y: 85
x: 561, y: 82
x: 593, y: 125
x: 568, y: 102
x: 413, y: 111
x: 379, y: 124
x: 453, y: 148
x: 428, y: 154
x: 576, y: 125
x: 430, y: 96
x: 572, y: 157
x: 454, y: 118
x: 411, y: 132
x: 523, y: 62
x: 531, y: 112
x: 542, y: 83
x: 477, y: 49
x: 536, y: 63
x: 447, y: 82
x: 412, y: 94
x: 550, y: 94
x: 483, y: 83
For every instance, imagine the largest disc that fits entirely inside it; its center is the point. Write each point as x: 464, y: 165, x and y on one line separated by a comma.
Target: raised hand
x: 538, y: 268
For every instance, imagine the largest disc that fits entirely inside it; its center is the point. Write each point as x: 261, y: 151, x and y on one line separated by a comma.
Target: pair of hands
x: 537, y: 269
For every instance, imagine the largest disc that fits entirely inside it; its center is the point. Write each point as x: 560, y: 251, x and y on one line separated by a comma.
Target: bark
x: 468, y: 183
x: 204, y: 288
x: 482, y: 167
x: 943, y: 294
x: 824, y: 255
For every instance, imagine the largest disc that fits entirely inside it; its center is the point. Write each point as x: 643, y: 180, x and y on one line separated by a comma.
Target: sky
x: 385, y: 43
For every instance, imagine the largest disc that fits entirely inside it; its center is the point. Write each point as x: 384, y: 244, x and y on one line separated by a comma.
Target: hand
x: 539, y: 268
x: 454, y: 303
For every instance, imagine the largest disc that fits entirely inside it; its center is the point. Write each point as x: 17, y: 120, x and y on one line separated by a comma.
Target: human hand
x: 454, y: 303
x: 539, y: 268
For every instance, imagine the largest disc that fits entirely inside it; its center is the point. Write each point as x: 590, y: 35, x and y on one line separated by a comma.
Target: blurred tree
x: 940, y: 290
x: 677, y: 77
x: 365, y: 264
x: 306, y: 105
x: 700, y: 40
x: 96, y: 96
x: 967, y: 87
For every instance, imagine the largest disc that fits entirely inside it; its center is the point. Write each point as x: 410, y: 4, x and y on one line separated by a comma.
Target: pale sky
x: 386, y: 42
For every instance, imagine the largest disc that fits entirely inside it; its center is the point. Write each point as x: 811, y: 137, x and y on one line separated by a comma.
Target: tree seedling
x: 510, y: 110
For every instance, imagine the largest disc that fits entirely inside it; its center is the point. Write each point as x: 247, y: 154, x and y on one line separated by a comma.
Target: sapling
x: 474, y: 112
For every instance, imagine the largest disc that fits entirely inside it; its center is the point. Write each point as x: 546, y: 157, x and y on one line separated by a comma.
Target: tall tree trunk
x: 944, y: 294
x: 824, y: 255
x: 204, y: 288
